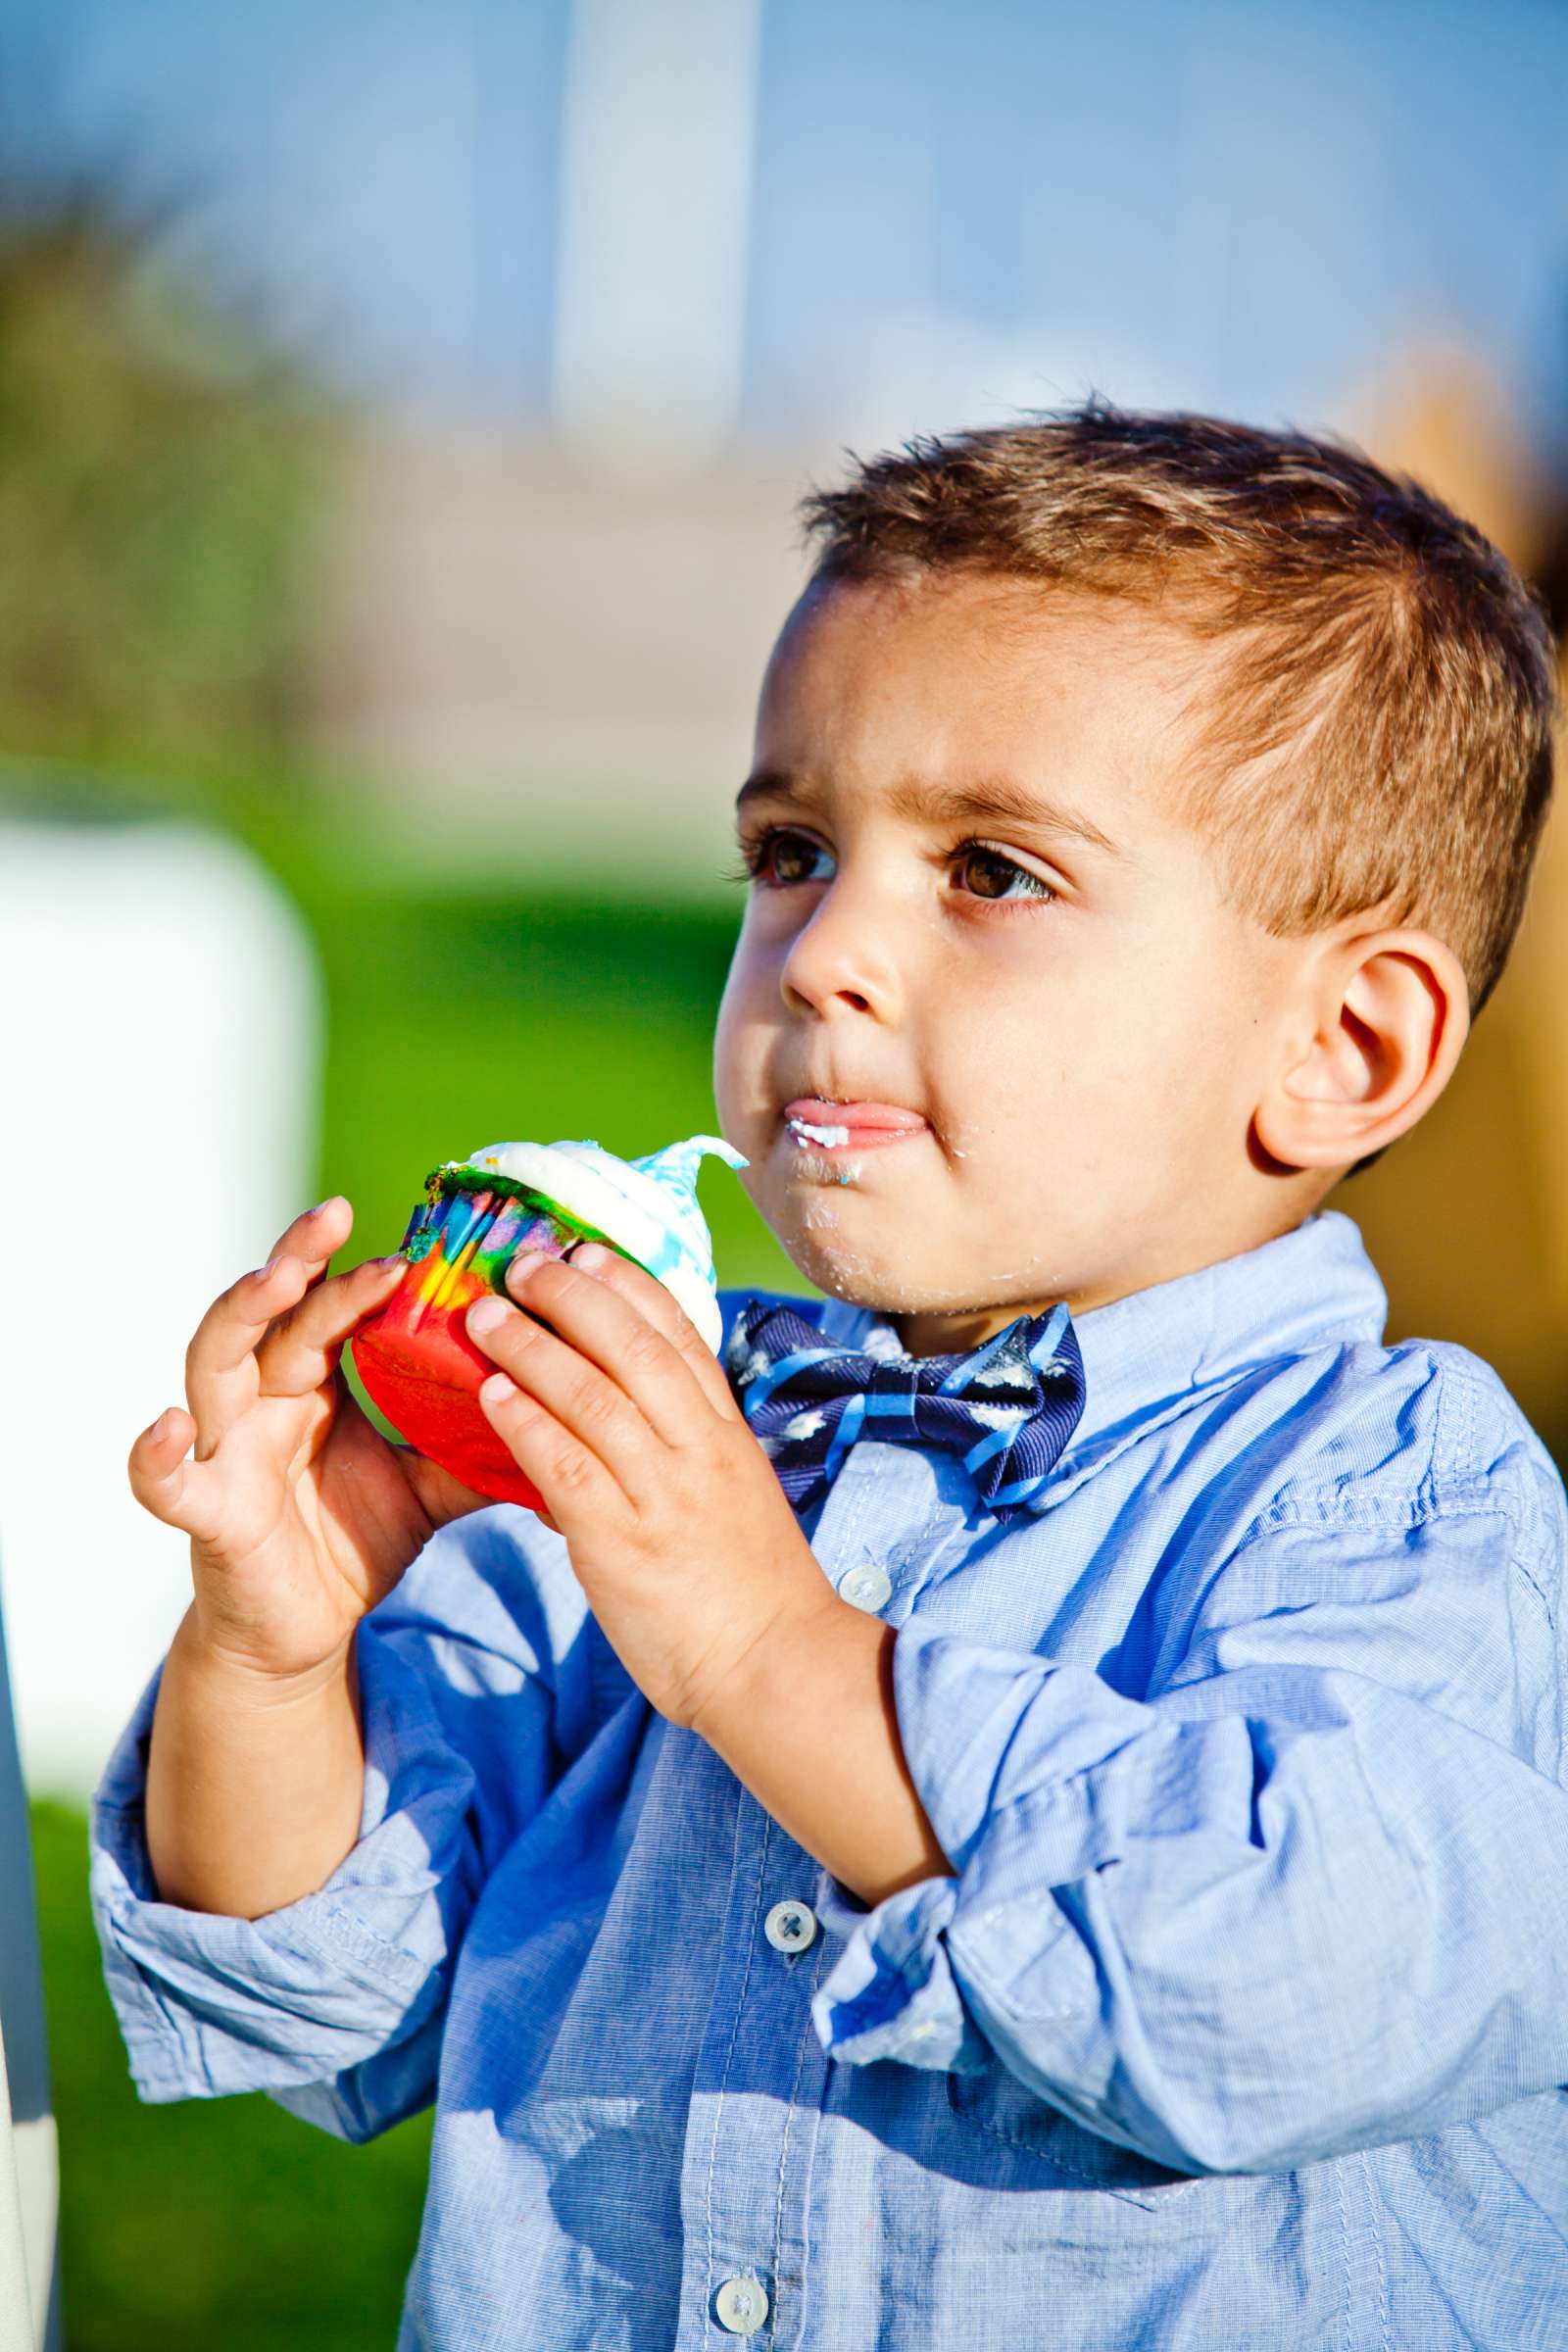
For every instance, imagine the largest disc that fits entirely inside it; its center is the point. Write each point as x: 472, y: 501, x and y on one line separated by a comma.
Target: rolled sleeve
x: 895, y: 1991
x: 209, y: 2004
x: 892, y: 1993
x: 1278, y: 1910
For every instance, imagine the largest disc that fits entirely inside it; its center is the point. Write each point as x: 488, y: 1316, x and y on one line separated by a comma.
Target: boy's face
x: 993, y: 1035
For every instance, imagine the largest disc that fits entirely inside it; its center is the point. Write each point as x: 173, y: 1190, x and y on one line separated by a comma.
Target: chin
x: 852, y: 1250
x: 820, y: 1241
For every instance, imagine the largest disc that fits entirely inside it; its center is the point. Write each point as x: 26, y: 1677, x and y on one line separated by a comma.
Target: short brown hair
x: 1375, y: 633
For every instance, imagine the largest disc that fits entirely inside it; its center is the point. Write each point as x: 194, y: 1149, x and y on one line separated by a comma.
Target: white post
x: 156, y: 1114
x: 655, y: 212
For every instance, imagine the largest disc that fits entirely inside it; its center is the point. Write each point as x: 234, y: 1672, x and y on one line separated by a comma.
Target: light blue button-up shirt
x: 1240, y: 2021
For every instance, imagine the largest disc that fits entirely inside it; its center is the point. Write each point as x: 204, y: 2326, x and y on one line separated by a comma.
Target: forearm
x: 810, y: 1716
x: 253, y: 1785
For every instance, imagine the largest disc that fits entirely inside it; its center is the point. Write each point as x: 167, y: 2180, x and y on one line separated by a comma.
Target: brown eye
x: 785, y: 858
x: 986, y: 873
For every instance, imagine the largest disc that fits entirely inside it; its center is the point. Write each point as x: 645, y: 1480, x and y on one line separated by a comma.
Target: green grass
x: 219, y: 2226
x: 453, y: 1017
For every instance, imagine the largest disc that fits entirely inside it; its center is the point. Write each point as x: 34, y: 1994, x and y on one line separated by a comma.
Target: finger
x: 221, y: 1379
x: 301, y: 1349
x: 316, y: 1234
x: 574, y: 1482
x: 162, y: 1478
x: 629, y: 1324
x: 604, y: 1325
x: 571, y: 1387
x: 664, y: 1311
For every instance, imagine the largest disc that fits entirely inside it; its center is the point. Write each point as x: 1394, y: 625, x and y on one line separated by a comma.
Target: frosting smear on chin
x: 648, y: 1207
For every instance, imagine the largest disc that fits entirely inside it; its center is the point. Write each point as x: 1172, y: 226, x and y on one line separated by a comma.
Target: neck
x: 955, y: 1331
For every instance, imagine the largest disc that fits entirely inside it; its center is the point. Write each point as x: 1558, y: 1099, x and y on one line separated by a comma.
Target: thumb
x: 441, y: 1496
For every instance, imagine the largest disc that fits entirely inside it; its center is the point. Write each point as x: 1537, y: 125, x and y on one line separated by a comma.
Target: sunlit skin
x: 977, y: 895
x: 991, y: 977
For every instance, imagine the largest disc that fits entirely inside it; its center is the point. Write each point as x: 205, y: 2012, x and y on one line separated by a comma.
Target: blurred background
x: 402, y: 412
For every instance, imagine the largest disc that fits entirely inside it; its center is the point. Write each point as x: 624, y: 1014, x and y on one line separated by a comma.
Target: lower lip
x: 845, y: 1127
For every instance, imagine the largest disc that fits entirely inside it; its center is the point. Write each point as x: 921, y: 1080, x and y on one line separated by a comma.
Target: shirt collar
x: 1144, y: 1351
x: 1305, y: 1287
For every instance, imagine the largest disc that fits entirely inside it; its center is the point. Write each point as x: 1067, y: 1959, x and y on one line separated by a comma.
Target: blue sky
x: 1244, y: 206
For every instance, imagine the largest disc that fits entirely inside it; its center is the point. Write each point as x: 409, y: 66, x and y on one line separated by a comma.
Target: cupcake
x: 416, y: 1359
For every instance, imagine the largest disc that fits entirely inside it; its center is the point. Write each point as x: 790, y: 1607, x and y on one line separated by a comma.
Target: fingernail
x: 496, y: 1389
x: 591, y: 1256
x: 522, y: 1265
x: 321, y: 1204
x: 262, y: 1272
x: 488, y: 1314
x: 160, y: 1428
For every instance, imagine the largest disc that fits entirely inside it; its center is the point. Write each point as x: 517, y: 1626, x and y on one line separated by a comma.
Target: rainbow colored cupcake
x: 416, y: 1359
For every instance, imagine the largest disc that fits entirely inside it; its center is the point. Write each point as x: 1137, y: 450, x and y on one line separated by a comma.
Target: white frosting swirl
x: 647, y: 1207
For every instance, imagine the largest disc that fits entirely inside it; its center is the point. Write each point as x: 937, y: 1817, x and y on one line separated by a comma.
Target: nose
x: 841, y: 960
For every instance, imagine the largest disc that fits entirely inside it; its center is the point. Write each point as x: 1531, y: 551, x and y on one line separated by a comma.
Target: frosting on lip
x: 824, y: 1123
x: 830, y: 1111
x: 647, y: 1207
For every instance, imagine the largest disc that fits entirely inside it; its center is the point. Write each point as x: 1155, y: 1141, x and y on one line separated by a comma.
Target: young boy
x: 996, y: 1829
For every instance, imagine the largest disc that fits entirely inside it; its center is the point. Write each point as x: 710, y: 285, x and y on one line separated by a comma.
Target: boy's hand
x: 679, y: 1532
x: 301, y: 1515
x: 694, y: 1563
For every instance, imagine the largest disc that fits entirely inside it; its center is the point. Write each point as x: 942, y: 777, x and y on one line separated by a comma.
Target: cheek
x: 740, y: 1039
x: 726, y: 1046
x: 1183, y: 1045
x: 1076, y: 1069
x: 1007, y: 1045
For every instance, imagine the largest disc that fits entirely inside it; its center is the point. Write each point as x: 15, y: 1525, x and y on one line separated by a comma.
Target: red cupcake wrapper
x: 416, y: 1359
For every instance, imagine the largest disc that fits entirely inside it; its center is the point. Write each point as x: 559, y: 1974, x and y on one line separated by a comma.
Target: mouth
x: 826, y: 1124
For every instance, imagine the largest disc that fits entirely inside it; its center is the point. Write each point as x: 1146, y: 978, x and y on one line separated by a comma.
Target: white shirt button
x: 791, y: 1927
x: 741, y: 2306
x: 867, y: 1588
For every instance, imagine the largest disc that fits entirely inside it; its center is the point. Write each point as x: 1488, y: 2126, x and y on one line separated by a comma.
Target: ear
x: 1386, y: 1013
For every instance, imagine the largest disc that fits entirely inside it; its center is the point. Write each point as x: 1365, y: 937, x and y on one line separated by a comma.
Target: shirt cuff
x: 896, y: 1991
x: 209, y: 2004
x: 892, y: 1994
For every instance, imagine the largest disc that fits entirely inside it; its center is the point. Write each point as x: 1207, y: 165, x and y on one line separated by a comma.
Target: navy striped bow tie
x: 1008, y: 1407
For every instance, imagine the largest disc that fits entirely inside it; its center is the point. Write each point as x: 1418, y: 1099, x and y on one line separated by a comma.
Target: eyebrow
x: 920, y: 802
